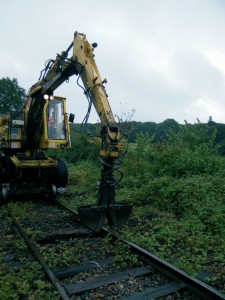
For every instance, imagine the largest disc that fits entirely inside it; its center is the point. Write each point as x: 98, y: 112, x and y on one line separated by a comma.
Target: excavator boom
x: 38, y: 107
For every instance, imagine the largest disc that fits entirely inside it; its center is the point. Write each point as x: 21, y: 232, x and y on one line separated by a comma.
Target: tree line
x: 160, y: 132
x: 12, y: 98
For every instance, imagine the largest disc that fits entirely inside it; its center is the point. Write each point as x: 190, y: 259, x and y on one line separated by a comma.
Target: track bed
x: 86, y: 265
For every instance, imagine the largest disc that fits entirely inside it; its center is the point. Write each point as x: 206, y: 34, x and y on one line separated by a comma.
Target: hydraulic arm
x: 57, y: 71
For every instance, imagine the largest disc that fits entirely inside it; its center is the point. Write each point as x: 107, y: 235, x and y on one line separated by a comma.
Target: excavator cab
x: 56, y: 132
x: 56, y: 120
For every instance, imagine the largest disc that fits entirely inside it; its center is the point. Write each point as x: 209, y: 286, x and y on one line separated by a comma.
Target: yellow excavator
x: 26, y: 169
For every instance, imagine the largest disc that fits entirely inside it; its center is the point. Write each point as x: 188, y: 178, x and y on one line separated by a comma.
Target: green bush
x: 183, y: 176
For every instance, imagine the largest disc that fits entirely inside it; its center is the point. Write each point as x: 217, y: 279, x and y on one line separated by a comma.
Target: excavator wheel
x: 61, y: 174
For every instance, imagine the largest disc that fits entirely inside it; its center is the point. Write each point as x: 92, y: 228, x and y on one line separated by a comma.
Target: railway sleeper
x: 82, y: 287
x: 156, y: 292
x: 75, y: 269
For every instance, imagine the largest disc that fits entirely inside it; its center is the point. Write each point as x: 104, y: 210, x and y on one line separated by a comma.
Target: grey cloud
x: 133, y: 37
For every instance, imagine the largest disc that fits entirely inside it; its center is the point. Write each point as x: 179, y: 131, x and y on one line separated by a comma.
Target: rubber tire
x: 61, y: 173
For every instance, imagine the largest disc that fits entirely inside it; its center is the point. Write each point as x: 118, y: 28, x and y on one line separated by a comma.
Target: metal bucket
x: 93, y: 216
x: 119, y: 213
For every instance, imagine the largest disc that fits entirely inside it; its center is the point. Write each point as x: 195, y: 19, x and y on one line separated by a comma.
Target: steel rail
x: 39, y: 257
x: 198, y: 287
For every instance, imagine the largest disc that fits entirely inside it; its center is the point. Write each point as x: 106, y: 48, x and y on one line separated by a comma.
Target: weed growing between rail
x: 21, y: 277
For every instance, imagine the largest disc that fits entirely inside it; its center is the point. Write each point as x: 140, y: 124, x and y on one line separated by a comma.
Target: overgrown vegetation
x: 180, y: 183
x: 159, y: 131
x: 21, y: 277
x: 177, y: 187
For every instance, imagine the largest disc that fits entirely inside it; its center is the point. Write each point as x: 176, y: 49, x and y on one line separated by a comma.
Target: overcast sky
x: 163, y: 58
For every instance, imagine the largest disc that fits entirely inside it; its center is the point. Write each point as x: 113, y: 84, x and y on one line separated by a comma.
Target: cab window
x: 56, y: 125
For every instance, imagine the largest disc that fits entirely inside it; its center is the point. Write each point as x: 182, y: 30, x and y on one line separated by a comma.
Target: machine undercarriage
x: 34, y: 176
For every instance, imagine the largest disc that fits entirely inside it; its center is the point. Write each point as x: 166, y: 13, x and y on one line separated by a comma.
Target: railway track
x: 86, y: 265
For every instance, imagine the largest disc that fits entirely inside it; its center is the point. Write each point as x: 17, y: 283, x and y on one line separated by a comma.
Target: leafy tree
x: 12, y: 96
x: 163, y: 127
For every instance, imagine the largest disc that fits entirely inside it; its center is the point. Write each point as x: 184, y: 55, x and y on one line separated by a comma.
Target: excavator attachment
x: 94, y: 216
x: 119, y: 213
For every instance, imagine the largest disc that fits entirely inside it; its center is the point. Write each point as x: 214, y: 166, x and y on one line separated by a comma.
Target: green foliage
x: 84, y: 147
x: 84, y: 174
x: 21, y: 278
x: 26, y: 283
x: 177, y: 187
x: 179, y: 176
x: 82, y: 188
x: 12, y: 96
x: 163, y: 127
x: 162, y: 131
x: 179, y: 183
x: 20, y: 211
x: 193, y: 135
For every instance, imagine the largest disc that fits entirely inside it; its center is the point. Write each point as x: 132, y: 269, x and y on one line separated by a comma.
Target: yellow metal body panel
x: 82, y: 52
x: 106, y: 153
x: 4, y: 131
x: 45, y: 163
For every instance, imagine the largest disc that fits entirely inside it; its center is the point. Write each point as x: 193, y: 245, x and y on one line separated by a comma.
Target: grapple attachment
x: 94, y: 216
x: 119, y: 213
